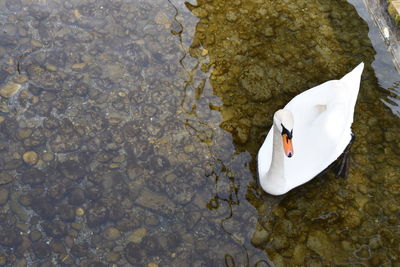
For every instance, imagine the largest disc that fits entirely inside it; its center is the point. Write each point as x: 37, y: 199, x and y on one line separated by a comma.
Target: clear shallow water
x: 142, y: 120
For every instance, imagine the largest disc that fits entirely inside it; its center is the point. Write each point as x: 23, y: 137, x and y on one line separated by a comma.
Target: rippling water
x: 129, y: 130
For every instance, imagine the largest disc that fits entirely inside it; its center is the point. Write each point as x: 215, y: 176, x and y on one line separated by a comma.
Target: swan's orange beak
x: 287, y: 145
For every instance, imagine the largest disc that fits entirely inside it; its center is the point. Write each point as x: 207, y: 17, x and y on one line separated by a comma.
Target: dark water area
x: 129, y: 132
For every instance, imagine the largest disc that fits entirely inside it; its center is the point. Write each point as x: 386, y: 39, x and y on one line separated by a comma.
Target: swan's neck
x: 275, y: 182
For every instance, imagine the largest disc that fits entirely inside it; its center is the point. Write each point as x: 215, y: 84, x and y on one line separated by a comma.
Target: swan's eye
x: 286, y: 132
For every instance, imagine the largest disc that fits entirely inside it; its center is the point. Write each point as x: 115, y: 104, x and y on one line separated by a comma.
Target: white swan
x: 318, y: 124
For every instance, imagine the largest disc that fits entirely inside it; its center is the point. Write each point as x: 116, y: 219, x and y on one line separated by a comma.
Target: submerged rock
x: 33, y: 177
x: 56, y: 228
x: 9, y: 237
x: 137, y: 235
x: 9, y: 89
x: 30, y: 157
x: 4, y: 193
x: 157, y: 202
x: 41, y: 250
x: 134, y: 253
x: 63, y: 143
x: 260, y: 237
x: 5, y: 178
x: 112, y: 234
x: 319, y: 242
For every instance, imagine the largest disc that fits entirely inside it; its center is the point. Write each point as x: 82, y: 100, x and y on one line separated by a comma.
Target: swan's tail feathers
x: 351, y: 82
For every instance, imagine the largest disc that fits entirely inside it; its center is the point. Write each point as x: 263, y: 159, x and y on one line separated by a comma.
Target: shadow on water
x: 259, y: 55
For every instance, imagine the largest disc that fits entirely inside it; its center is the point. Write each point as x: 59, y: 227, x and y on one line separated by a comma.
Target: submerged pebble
x: 111, y: 234
x: 30, y: 157
x: 9, y: 89
x: 4, y: 193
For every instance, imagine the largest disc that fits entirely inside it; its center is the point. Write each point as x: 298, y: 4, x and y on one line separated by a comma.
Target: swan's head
x: 283, y: 121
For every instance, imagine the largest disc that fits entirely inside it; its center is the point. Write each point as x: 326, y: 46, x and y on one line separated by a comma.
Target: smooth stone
x: 36, y: 43
x: 30, y: 157
x: 280, y: 242
x: 319, y: 242
x: 24, y: 133
x: 363, y: 252
x: 9, y: 89
x: 112, y: 234
x: 113, y: 256
x: 299, y: 254
x: 268, y: 32
x: 41, y: 250
x: 5, y: 178
x: 375, y: 242
x: 78, y: 66
x: 162, y: 19
x: 3, y: 196
x: 35, y: 235
x: 137, y: 236
x: 260, y: 237
x: 156, y: 201
x: 79, y: 212
x: 76, y: 196
x: 22, y: 78
x: 231, y: 16
x: 48, y: 156
x: 200, y: 12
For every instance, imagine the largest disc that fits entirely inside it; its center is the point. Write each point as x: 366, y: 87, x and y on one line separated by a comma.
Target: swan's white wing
x: 321, y: 134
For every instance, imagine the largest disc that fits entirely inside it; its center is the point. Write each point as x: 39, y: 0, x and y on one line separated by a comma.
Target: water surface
x: 129, y: 132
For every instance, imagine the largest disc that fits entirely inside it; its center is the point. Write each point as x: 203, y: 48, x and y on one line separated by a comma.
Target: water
x: 129, y: 131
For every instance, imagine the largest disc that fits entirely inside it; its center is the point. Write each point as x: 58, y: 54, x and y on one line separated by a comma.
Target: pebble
x: 35, y: 235
x: 299, y: 253
x: 137, y: 235
x: 78, y: 66
x: 22, y: 78
x: 51, y: 67
x: 200, y: 12
x: 80, y: 212
x: 77, y: 14
x: 5, y: 178
x: 24, y: 133
x: 3, y: 196
x: 231, y: 16
x: 319, y: 242
x: 9, y: 89
x: 162, y: 19
x: 36, y: 43
x: 260, y: 237
x: 268, y: 31
x: 48, y: 156
x: 112, y: 234
x: 113, y: 256
x: 30, y: 157
x: 363, y: 253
